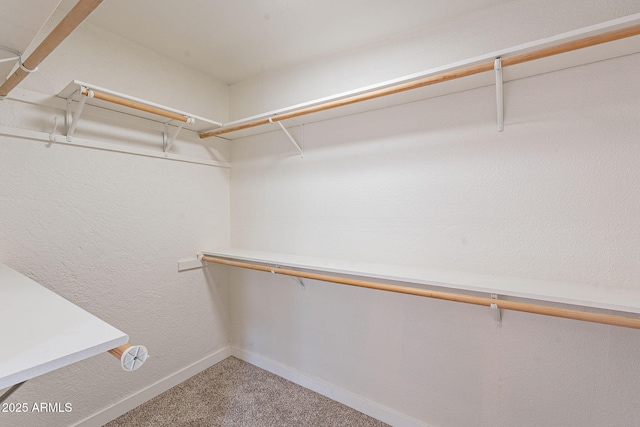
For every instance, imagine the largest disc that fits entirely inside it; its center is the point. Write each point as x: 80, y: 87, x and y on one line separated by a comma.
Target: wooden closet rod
x: 118, y: 351
x: 438, y: 78
x: 136, y: 105
x: 606, y: 319
x: 69, y: 23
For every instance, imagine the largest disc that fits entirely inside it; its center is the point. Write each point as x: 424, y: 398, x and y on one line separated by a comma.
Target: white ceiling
x: 236, y: 39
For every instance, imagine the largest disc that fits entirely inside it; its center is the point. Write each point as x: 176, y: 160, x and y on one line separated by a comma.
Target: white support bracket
x: 298, y: 280
x: 52, y: 135
x: 298, y: 146
x: 497, y: 66
x: 167, y: 140
x: 71, y: 120
x: 497, y: 315
x: 17, y: 56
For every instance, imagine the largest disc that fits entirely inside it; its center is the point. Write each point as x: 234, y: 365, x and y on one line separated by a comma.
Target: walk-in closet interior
x: 424, y: 211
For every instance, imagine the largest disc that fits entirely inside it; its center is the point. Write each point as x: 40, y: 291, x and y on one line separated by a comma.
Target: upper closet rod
x: 438, y: 78
x: 69, y: 23
x: 137, y: 105
x: 605, y: 319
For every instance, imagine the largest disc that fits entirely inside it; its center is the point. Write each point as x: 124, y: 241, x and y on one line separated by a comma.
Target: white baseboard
x: 338, y: 394
x: 114, y: 411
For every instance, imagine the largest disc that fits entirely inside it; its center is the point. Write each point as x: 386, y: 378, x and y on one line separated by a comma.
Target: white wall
x: 105, y: 230
x: 434, y: 184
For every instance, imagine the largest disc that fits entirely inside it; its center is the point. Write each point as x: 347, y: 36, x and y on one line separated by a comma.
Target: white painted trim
x: 79, y: 142
x: 139, y: 397
x: 331, y: 391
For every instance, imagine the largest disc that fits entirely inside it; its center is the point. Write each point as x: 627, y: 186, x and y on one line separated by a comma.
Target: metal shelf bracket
x: 497, y: 315
x: 295, y: 143
x: 71, y: 119
x: 298, y: 280
x: 497, y: 66
x: 168, y: 140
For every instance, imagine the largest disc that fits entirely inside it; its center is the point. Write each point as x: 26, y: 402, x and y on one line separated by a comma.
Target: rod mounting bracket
x: 168, y: 140
x: 497, y: 315
x: 497, y: 66
x: 71, y: 119
x: 295, y: 143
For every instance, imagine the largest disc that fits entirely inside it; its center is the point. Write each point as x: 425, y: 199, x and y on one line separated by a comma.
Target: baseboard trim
x: 338, y: 394
x: 132, y: 401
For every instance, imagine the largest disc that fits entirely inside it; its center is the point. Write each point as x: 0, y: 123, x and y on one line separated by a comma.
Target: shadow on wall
x: 217, y: 280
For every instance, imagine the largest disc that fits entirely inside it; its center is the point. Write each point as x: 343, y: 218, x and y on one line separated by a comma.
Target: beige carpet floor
x: 236, y: 393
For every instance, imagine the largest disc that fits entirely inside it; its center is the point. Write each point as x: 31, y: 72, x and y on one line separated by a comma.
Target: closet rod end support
x: 497, y: 66
x: 497, y: 315
x: 131, y: 356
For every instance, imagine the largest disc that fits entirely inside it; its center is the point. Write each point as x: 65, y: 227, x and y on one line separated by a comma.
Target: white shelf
x: 41, y: 331
x: 574, y: 58
x: 578, y: 294
x: 199, y: 125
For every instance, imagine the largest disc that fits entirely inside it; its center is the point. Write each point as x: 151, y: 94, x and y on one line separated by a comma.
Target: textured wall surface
x: 105, y: 230
x: 433, y: 184
x: 428, y: 183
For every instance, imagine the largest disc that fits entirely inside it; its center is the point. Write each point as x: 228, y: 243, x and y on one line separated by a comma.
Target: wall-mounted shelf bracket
x: 52, y: 135
x: 167, y: 140
x: 497, y: 66
x: 71, y: 119
x: 298, y: 280
x: 497, y: 315
x: 295, y: 143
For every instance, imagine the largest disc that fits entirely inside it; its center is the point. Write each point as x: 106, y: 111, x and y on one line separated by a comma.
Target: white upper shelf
x: 578, y: 294
x: 43, y: 331
x: 609, y: 50
x: 199, y: 125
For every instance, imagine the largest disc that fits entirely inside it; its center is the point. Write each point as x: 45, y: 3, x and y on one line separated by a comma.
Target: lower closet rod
x: 606, y: 319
